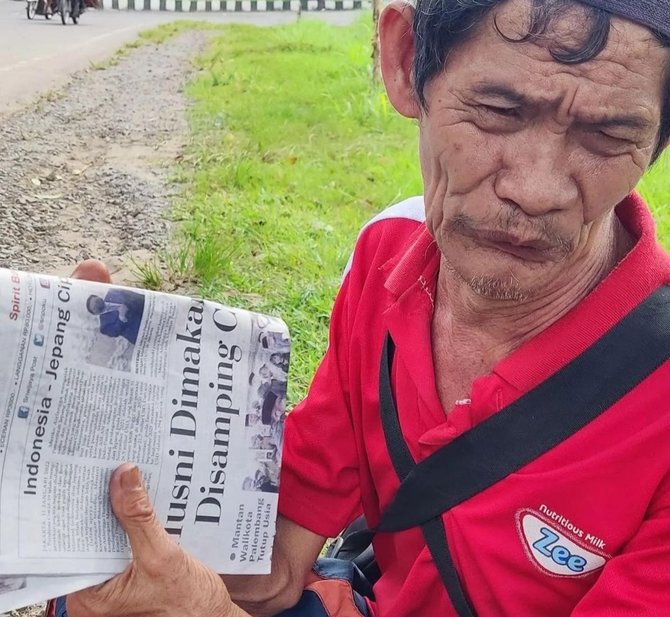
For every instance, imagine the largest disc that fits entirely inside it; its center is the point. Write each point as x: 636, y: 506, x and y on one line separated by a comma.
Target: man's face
x: 524, y: 158
x: 96, y: 305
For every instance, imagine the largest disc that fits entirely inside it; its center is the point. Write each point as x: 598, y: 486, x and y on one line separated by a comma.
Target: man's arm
x: 295, y: 551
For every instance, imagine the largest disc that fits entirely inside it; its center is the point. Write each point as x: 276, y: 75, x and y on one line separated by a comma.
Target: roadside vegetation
x: 655, y: 188
x: 292, y: 151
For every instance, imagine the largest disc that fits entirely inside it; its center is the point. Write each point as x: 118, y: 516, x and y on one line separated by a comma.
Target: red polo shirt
x: 583, y: 531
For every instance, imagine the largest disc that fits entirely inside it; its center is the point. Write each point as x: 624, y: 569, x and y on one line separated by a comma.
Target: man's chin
x: 501, y: 284
x: 499, y: 289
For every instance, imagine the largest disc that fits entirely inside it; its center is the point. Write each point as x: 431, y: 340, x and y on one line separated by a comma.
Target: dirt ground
x: 84, y: 172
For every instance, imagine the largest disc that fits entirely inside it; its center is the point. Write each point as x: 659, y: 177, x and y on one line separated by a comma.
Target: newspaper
x: 95, y: 375
x: 20, y: 591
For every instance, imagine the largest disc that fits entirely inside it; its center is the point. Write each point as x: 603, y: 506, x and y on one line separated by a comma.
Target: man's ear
x: 397, y: 56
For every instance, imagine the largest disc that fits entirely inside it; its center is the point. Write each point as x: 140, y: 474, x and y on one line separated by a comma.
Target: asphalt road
x: 38, y: 56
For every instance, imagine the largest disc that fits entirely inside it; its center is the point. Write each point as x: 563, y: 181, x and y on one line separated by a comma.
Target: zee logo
x: 549, y: 547
x: 553, y: 551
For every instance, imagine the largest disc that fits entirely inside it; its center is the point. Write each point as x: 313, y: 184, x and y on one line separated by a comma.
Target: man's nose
x: 536, y: 176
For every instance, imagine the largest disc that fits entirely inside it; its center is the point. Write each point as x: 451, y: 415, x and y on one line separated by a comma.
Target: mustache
x: 529, y: 231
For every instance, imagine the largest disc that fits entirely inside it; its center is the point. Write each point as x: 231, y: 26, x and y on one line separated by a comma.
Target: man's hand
x: 92, y: 270
x: 163, y: 580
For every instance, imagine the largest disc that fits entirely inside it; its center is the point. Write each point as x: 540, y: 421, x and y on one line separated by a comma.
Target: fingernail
x: 131, y: 479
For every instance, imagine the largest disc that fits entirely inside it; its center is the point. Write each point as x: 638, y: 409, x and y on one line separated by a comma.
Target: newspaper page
x: 19, y: 591
x: 95, y: 375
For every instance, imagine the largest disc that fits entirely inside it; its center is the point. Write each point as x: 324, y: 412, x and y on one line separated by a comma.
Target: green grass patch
x: 655, y: 188
x: 292, y: 151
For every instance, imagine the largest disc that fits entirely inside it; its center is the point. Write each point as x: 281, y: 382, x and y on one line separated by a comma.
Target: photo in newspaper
x: 116, y: 318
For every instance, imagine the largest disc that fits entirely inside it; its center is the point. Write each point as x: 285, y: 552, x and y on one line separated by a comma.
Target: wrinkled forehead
x: 631, y: 70
x: 572, y: 26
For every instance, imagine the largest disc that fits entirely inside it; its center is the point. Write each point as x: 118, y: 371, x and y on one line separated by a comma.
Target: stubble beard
x: 499, y: 289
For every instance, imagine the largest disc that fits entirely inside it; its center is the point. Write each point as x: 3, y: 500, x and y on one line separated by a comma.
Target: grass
x: 655, y: 188
x: 292, y: 150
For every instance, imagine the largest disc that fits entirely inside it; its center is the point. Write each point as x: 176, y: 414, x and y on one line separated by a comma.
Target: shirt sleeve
x: 319, y: 488
x: 636, y: 583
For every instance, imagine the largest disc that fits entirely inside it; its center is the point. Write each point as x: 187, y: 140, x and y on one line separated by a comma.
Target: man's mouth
x: 535, y: 249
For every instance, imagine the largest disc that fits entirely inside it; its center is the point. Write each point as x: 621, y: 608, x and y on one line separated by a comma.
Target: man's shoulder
x: 384, y: 234
x: 124, y: 296
x: 411, y: 208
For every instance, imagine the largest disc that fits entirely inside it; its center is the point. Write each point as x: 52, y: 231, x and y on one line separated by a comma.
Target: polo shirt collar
x: 419, y: 260
x: 411, y: 280
x: 642, y: 270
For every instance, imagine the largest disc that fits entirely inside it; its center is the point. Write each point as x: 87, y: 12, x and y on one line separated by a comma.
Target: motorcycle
x: 65, y: 8
x: 41, y: 7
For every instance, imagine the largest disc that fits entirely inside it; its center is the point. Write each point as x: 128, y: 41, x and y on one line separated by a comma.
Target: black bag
x: 541, y: 419
x: 355, y: 544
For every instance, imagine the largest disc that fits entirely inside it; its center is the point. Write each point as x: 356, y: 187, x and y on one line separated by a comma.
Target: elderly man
x: 537, y: 119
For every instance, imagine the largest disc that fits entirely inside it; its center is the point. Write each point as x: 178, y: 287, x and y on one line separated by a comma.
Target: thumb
x: 92, y: 270
x: 149, y: 542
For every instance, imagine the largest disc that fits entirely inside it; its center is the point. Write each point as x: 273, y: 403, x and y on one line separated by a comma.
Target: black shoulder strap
x: 433, y: 530
x: 541, y: 419
x: 518, y: 434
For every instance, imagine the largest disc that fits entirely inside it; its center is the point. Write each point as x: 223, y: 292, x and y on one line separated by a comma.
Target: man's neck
x: 472, y: 333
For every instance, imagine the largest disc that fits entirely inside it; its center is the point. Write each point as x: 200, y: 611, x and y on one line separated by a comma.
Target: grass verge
x: 655, y: 187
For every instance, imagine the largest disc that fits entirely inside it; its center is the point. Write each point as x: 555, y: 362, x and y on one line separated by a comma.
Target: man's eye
x: 605, y: 143
x: 612, y: 138
x: 506, y: 112
x: 613, y: 141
